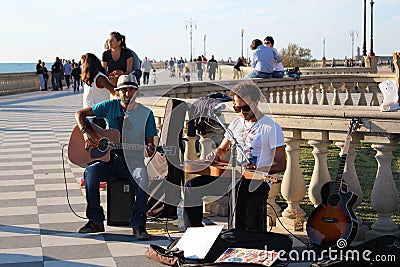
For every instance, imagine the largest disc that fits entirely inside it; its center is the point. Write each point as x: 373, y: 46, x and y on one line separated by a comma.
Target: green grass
x: 366, y: 166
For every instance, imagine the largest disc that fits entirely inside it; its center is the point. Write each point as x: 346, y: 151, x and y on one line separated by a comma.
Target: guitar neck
x: 127, y: 146
x: 342, y: 164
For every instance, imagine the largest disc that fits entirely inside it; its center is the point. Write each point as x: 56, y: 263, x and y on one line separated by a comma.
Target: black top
x: 76, y: 73
x: 120, y: 64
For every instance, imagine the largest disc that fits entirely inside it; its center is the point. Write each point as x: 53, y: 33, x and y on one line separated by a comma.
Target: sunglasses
x: 243, y: 108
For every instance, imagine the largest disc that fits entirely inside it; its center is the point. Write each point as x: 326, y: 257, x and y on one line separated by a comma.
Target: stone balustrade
x: 15, y: 83
x: 323, y: 121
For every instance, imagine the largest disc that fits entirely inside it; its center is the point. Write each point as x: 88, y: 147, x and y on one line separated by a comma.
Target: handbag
x: 157, y: 166
x: 165, y: 256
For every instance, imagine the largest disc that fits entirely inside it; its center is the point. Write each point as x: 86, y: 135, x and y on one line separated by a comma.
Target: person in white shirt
x: 146, y: 66
x: 278, y: 66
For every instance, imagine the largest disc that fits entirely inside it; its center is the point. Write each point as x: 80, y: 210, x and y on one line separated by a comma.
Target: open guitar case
x: 165, y: 192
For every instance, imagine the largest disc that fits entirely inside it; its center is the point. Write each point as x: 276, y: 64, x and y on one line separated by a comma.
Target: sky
x: 156, y: 29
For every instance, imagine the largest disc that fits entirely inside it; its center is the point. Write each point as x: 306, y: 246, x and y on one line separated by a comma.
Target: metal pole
x: 371, y: 52
x: 242, y: 32
x: 205, y: 36
x: 365, y: 29
x: 189, y: 26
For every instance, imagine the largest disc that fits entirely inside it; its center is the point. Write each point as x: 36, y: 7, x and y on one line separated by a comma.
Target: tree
x: 296, y: 56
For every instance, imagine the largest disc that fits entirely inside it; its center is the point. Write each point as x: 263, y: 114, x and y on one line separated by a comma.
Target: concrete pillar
x: 293, y: 187
x: 384, y: 195
x: 396, y: 62
x: 205, y: 146
x: 320, y: 174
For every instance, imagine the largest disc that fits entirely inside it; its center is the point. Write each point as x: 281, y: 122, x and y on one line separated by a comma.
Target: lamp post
x: 190, y: 24
x: 205, y: 36
x: 323, y: 53
x: 353, y: 33
x: 371, y: 52
x: 365, y: 29
x: 242, y: 32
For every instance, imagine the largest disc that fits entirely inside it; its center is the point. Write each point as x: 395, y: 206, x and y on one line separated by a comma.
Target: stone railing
x: 15, y: 83
x: 311, y: 110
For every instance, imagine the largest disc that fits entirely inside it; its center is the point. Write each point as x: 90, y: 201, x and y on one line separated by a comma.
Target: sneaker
x: 91, y: 227
x: 141, y: 233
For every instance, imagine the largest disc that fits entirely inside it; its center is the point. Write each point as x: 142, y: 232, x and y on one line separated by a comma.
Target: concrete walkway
x: 37, y: 227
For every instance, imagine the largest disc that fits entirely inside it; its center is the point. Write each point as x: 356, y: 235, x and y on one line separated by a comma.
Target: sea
x: 20, y: 67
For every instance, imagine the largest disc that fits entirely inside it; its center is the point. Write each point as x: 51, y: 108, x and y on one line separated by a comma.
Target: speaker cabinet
x: 120, y: 198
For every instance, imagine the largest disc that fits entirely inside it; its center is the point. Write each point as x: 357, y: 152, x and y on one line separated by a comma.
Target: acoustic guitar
x: 222, y: 169
x: 334, y: 218
x: 107, y: 140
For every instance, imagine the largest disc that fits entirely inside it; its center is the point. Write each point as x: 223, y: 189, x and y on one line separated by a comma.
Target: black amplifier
x: 120, y: 198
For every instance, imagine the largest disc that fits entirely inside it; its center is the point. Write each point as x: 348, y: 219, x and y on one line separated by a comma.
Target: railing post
x: 351, y: 178
x: 293, y: 187
x: 384, y: 195
x: 320, y: 174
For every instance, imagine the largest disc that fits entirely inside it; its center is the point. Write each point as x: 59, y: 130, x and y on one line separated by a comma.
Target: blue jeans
x: 200, y: 74
x: 258, y: 74
x: 55, y: 81
x: 277, y: 74
x: 108, y: 171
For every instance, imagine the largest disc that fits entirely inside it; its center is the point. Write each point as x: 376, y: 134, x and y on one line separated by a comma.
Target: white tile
x: 4, y: 173
x: 10, y: 211
x: 18, y: 195
x: 120, y: 249
x: 60, y: 200
x: 53, y: 176
x: 49, y: 187
x: 16, y: 182
x: 70, y: 239
x: 18, y: 163
x: 60, y: 217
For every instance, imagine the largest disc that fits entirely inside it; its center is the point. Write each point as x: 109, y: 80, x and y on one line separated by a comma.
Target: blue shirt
x: 263, y: 59
x: 112, y: 111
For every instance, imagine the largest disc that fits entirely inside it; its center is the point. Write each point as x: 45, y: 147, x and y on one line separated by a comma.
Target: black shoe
x: 91, y: 227
x: 141, y: 233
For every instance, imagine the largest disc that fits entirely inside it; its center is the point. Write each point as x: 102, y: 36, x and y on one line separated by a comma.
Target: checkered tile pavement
x: 37, y: 228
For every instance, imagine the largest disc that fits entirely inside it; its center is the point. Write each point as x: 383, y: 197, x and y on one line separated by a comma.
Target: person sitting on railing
x: 262, y: 141
x: 278, y: 66
x: 139, y: 128
x: 263, y: 60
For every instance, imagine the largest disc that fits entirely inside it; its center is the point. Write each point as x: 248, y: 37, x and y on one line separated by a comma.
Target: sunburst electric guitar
x: 334, y: 218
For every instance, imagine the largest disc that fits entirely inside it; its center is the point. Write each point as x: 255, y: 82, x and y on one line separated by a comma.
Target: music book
x: 197, y: 241
x: 244, y: 255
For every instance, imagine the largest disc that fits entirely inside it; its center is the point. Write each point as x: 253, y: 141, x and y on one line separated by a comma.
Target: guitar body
x: 76, y: 146
x: 333, y: 219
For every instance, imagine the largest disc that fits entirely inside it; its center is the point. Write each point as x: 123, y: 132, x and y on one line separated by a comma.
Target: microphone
x: 218, y: 110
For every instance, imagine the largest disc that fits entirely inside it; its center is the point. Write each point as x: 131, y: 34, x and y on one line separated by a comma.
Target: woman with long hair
x: 117, y: 60
x: 96, y: 85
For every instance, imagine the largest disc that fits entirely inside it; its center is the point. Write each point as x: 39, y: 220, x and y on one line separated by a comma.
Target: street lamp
x: 353, y: 33
x: 242, y: 32
x: 205, y: 36
x: 323, y: 48
x: 189, y: 26
x: 365, y: 29
x: 371, y: 52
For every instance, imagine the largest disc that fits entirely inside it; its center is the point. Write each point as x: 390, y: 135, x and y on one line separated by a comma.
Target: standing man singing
x: 137, y: 125
x: 262, y: 141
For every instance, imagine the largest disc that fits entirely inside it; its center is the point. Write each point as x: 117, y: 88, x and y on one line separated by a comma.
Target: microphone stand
x: 234, y: 147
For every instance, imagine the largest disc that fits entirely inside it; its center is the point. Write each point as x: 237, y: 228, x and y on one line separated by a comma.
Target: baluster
x: 336, y: 99
x: 362, y: 101
x: 384, y: 195
x: 356, y: 88
x: 324, y: 97
x: 320, y: 174
x: 314, y: 99
x: 305, y: 96
x: 190, y: 148
x: 352, y: 181
x: 293, y: 96
x: 293, y: 187
x: 274, y: 96
x: 267, y: 96
x: 273, y: 193
x: 298, y: 93
x: 349, y: 99
x: 287, y: 96
x: 206, y: 144
x: 280, y: 96
x: 374, y: 99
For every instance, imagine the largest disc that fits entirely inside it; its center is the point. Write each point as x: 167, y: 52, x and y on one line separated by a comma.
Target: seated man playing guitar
x: 261, y: 139
x: 137, y: 125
